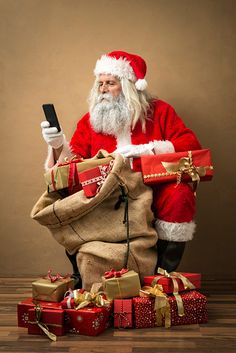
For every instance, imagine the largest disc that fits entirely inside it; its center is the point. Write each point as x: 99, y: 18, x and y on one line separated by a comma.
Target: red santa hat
x: 123, y: 65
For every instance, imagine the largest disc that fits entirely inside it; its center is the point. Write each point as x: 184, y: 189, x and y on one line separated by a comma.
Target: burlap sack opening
x: 96, y: 230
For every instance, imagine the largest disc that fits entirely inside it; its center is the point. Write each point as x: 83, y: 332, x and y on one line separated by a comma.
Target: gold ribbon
x: 44, y: 328
x: 89, y: 298
x: 173, y: 276
x: 185, y: 166
x: 161, y: 306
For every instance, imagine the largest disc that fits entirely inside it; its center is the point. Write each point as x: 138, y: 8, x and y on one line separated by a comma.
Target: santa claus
x: 123, y: 117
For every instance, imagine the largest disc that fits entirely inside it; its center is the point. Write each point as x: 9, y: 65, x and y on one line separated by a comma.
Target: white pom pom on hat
x: 122, y: 64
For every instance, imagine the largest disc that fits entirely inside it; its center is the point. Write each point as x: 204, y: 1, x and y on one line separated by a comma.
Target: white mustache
x: 107, y: 96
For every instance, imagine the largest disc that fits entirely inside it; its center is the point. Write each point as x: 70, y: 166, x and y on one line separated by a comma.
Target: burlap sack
x: 95, y: 229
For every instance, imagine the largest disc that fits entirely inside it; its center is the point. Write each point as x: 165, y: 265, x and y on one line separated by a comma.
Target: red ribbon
x: 56, y: 277
x: 73, y: 177
x: 112, y: 273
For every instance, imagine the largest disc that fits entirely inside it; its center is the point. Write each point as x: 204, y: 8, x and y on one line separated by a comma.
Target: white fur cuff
x: 163, y: 146
x: 175, y: 231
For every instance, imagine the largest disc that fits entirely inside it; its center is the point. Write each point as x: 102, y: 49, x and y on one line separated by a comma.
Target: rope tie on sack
x: 124, y: 198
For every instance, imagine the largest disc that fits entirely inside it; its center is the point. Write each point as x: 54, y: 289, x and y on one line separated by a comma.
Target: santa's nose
x: 104, y: 88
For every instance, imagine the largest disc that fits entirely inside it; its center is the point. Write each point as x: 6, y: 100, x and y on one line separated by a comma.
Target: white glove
x: 136, y: 150
x: 51, y: 135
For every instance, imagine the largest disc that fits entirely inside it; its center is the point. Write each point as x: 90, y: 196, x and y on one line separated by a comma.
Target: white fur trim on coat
x: 116, y: 67
x: 175, y: 231
x: 163, y: 146
x: 66, y: 152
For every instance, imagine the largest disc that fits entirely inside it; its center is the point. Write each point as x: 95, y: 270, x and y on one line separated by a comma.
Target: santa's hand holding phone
x: 51, y: 135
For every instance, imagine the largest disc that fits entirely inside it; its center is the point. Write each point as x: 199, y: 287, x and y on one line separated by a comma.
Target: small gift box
x: 180, y: 166
x: 29, y: 303
x: 121, y: 284
x: 66, y: 175
x: 159, y: 311
x: 51, y: 288
x: 174, y: 281
x: 46, y: 321
x: 89, y: 321
x: 123, y: 313
x: 93, y: 179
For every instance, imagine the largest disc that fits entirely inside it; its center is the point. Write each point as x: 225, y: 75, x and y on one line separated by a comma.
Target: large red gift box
x: 53, y: 319
x: 123, y: 313
x: 89, y: 321
x: 178, y: 166
x: 92, y: 179
x: 29, y: 303
x: 167, y: 282
x: 195, y: 308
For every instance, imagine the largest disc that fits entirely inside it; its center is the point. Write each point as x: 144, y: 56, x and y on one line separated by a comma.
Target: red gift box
x: 123, y: 313
x: 53, y: 319
x: 167, y: 283
x: 89, y: 321
x: 29, y: 303
x: 92, y: 179
x: 179, y: 166
x: 195, y: 309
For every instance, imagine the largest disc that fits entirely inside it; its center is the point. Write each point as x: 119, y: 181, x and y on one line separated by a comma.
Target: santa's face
x: 109, y: 84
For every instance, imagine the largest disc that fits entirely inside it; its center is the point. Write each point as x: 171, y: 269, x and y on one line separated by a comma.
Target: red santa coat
x: 162, y: 124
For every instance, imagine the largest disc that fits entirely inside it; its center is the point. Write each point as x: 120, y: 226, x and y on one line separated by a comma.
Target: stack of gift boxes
x: 166, y: 299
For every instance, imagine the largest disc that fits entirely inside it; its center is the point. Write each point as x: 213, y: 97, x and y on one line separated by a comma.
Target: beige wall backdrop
x: 48, y: 49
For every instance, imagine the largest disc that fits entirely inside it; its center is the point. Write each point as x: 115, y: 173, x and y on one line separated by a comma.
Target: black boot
x: 169, y: 254
x: 76, y: 275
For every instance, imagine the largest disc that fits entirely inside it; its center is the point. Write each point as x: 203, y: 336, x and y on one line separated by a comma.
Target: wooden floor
x: 218, y: 336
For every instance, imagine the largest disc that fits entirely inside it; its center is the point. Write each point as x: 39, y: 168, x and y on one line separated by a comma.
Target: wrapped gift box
x: 126, y: 286
x: 92, y: 179
x: 167, y: 167
x: 89, y: 321
x: 195, y: 308
x: 29, y: 303
x: 67, y: 175
x: 123, y: 313
x: 167, y: 283
x: 53, y: 319
x: 44, y: 289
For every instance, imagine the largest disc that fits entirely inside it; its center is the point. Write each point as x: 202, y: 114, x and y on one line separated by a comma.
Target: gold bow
x: 173, y: 276
x: 185, y: 166
x: 89, y: 298
x: 161, y: 306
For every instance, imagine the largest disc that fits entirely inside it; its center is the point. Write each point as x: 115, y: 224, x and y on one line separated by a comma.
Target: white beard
x: 110, y: 115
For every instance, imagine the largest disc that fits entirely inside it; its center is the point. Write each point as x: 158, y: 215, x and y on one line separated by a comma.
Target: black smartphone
x: 51, y: 115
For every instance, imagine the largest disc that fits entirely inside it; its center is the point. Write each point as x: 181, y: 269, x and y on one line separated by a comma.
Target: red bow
x: 56, y: 277
x: 113, y: 273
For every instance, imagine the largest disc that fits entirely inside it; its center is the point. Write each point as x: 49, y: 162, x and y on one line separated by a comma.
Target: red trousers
x: 174, y: 203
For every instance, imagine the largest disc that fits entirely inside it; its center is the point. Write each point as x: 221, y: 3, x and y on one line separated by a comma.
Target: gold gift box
x: 57, y: 178
x: 126, y: 286
x: 44, y: 289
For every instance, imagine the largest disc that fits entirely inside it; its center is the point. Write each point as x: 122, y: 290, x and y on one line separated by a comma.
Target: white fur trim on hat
x: 116, y: 67
x: 175, y: 231
x: 163, y: 146
x: 141, y: 84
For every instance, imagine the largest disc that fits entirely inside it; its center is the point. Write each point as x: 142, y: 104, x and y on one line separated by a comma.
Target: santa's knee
x: 174, y: 208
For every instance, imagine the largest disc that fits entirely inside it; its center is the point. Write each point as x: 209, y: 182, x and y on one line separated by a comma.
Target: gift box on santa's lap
x: 151, y: 311
x: 66, y: 175
x: 189, y: 166
x: 29, y: 303
x: 174, y: 281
